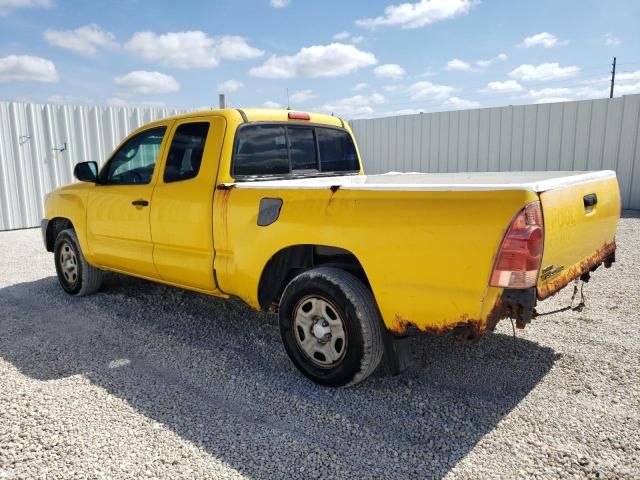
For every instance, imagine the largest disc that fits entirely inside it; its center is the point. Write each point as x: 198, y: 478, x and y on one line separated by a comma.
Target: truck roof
x: 263, y: 115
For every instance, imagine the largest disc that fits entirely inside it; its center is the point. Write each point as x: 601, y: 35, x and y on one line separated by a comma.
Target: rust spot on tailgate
x: 550, y: 286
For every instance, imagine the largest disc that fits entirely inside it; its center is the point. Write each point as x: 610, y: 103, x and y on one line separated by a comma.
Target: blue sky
x: 356, y: 59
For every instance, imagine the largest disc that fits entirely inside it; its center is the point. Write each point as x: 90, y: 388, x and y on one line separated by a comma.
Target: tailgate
x: 580, y: 221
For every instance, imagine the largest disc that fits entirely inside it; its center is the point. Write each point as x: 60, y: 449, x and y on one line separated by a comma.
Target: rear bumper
x: 44, y: 224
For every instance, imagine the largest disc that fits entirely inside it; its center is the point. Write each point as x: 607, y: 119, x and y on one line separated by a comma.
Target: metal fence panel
x: 582, y: 135
x: 33, y: 157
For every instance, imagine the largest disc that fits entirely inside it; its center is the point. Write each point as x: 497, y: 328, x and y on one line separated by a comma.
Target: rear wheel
x: 75, y: 274
x: 331, y: 327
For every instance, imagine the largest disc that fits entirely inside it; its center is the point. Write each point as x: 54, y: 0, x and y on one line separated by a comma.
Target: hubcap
x: 319, y: 331
x: 68, y: 263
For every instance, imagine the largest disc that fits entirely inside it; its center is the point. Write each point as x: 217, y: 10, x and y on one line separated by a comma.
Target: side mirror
x: 86, y: 171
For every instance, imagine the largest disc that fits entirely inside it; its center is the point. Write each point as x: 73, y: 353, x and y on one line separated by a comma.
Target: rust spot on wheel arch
x: 548, y: 287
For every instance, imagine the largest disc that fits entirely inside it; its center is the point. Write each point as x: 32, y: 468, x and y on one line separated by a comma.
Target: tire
x: 331, y: 327
x: 75, y: 274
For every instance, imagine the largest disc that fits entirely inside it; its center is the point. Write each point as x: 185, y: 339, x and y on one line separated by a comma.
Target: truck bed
x: 530, y: 181
x: 427, y: 241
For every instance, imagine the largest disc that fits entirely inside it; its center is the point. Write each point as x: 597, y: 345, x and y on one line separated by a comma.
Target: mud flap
x: 397, y: 353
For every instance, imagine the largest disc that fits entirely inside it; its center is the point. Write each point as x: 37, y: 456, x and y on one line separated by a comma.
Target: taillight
x: 518, y: 261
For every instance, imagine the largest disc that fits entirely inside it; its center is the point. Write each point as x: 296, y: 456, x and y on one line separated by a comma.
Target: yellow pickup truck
x: 273, y: 207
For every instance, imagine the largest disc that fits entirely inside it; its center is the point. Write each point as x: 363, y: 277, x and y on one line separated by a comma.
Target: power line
x: 613, y: 76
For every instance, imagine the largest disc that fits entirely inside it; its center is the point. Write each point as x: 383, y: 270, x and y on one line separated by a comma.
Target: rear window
x: 261, y: 150
x: 302, y: 146
x: 264, y: 150
x: 337, y: 151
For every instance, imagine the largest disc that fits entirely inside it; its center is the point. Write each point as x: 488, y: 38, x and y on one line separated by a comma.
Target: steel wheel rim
x: 68, y: 263
x: 319, y: 331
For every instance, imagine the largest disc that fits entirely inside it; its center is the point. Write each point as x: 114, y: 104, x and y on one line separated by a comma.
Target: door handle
x: 140, y: 203
x: 590, y: 200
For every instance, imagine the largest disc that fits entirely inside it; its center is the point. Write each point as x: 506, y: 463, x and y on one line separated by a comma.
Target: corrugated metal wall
x: 30, y: 139
x: 584, y: 135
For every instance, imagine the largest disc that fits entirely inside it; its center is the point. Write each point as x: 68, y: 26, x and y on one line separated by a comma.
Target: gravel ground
x: 143, y: 380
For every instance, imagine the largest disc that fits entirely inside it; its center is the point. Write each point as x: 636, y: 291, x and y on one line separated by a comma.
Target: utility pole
x: 221, y: 101
x: 613, y: 76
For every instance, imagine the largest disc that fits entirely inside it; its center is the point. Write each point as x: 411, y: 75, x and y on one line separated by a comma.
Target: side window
x: 302, y: 145
x: 134, y: 162
x: 185, y: 153
x: 261, y: 150
x: 337, y: 151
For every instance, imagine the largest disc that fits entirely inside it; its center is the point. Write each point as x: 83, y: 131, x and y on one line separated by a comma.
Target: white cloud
x: 27, y: 68
x: 200, y: 108
x: 550, y: 92
x: 397, y: 113
x: 627, y: 89
x: 6, y: 6
x: 346, y: 36
x: 427, y: 73
x: 487, y: 63
x: 458, y: 65
x: 389, y: 70
x: 611, y: 40
x: 193, y: 49
x: 69, y: 100
x: 302, y: 96
x: 141, y: 82
x: 419, y: 14
x: 553, y: 100
x: 626, y: 76
x: 508, y: 86
x: 543, y: 39
x: 460, y: 103
x: 270, y: 104
x: 341, y: 36
x: 356, y: 106
x: 563, y: 94
x: 121, y: 102
x: 280, y: 3
x: 358, y: 87
x: 84, y: 40
x: 393, y: 88
x: 229, y: 86
x: 543, y: 72
x: 430, y: 91
x: 334, y: 60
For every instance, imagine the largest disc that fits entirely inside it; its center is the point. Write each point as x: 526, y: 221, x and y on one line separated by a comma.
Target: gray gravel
x: 143, y: 380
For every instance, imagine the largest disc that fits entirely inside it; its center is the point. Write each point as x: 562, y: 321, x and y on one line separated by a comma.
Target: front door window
x: 134, y: 162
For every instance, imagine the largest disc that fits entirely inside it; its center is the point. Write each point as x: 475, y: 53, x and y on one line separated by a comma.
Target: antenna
x: 288, y: 106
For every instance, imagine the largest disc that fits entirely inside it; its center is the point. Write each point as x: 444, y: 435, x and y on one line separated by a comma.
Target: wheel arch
x: 54, y: 227
x: 295, y: 259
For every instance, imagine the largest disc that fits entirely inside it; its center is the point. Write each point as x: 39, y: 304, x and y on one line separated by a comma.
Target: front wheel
x: 76, y: 276
x: 331, y: 327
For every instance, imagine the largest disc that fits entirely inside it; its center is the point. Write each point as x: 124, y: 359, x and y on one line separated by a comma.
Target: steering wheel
x: 137, y: 178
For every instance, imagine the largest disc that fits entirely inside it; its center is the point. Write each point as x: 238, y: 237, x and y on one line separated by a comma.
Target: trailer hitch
x: 584, y: 278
